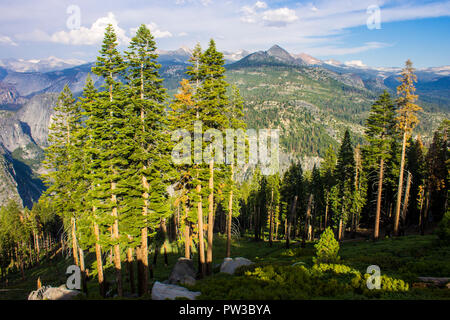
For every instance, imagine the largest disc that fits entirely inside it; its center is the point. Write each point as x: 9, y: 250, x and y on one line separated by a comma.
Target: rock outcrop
x: 51, y: 293
x: 229, y: 265
x: 183, y: 272
x: 162, y: 291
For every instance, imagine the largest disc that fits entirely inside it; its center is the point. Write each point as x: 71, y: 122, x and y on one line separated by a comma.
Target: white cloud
x: 260, y: 5
x: 5, y: 40
x: 281, y: 16
x: 277, y: 17
x: 154, y: 29
x: 250, y: 12
x: 92, y: 35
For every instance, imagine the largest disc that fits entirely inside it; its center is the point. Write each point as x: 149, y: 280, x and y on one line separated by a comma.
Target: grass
x: 403, y: 258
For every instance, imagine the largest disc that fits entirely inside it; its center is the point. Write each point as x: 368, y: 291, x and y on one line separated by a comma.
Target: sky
x: 377, y: 33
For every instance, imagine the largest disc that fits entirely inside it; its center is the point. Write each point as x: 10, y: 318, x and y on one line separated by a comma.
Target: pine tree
x: 345, y: 176
x: 327, y: 169
x: 88, y: 147
x: 379, y: 128
x: 292, y: 192
x: 416, y: 166
x: 273, y: 204
x: 111, y: 137
x: 317, y: 189
x: 212, y: 101
x: 407, y: 120
x: 360, y: 191
x: 61, y: 161
x: 150, y: 144
x: 437, y: 167
x: 182, y: 116
x: 235, y: 114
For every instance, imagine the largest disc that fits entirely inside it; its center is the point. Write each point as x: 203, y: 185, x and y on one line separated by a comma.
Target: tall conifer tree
x: 407, y: 120
x: 379, y: 129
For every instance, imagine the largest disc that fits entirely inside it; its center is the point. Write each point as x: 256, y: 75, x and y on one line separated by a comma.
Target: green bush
x: 443, y: 231
x: 297, y: 282
x: 327, y: 248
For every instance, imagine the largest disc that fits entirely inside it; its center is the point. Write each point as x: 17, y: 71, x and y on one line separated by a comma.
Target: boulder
x: 183, y: 272
x: 230, y: 265
x: 51, y: 293
x: 38, y: 294
x: 161, y: 291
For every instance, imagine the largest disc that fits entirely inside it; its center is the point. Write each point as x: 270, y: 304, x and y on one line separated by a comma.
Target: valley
x: 311, y: 101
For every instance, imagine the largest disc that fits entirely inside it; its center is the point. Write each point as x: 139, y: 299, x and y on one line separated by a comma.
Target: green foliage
x: 443, y: 230
x: 275, y: 281
x: 380, y: 125
x: 327, y: 248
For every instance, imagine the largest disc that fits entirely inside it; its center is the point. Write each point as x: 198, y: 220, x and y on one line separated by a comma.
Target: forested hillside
x: 133, y: 173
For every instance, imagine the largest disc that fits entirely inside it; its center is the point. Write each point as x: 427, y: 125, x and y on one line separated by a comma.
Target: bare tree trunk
x: 341, y: 223
x: 187, y: 238
x: 425, y: 214
x: 98, y: 254
x: 230, y: 213
x: 201, y: 245
x: 176, y: 222
x: 277, y: 224
x: 209, y: 252
x: 21, y: 264
x: 83, y: 270
x: 376, y: 231
x: 74, y: 242
x: 326, y: 213
x: 271, y: 220
x: 307, y: 233
x: 421, y: 200
x: 405, y: 204
x: 131, y: 269
x: 36, y: 243
x: 400, y: 186
x: 290, y: 218
x: 164, y: 230
x: 115, y: 230
x: 257, y: 224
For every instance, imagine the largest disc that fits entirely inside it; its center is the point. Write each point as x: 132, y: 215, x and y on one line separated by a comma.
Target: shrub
x: 327, y: 248
x: 286, y: 282
x: 443, y: 231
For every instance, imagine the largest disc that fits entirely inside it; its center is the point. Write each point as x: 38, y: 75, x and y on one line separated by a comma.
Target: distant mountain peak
x: 279, y: 52
x: 307, y: 59
x: 40, y: 65
x: 185, y: 49
x: 333, y: 62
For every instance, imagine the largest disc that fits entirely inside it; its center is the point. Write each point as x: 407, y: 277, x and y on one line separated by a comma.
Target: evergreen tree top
x: 109, y: 64
x: 346, y: 162
x: 212, y: 63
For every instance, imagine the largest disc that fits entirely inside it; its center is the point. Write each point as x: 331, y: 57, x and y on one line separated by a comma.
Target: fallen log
x: 440, y: 282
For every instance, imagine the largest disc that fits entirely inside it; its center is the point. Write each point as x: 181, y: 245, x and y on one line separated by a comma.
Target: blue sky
x: 342, y: 30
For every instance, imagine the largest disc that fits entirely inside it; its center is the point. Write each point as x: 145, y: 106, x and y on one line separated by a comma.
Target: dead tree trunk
x: 376, y: 230
x: 290, y: 219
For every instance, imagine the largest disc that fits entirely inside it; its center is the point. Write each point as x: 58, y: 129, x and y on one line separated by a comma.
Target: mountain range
x: 312, y: 101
